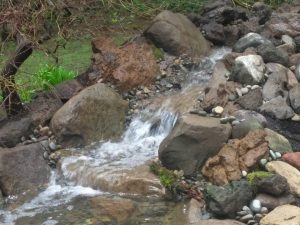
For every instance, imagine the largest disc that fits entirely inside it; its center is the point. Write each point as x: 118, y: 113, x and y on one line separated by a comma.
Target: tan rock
x: 236, y: 156
x: 283, y: 215
x: 289, y: 172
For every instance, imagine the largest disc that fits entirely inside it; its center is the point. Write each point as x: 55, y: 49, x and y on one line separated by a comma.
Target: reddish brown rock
x: 294, y: 59
x: 131, y: 65
x: 292, y: 80
x: 236, y: 156
x: 292, y: 158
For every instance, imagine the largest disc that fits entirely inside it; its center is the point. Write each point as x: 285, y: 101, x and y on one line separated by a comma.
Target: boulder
x: 241, y: 129
x: 191, y: 142
x: 271, y: 202
x: 22, y: 168
x: 292, y: 158
x: 248, y: 70
x: 214, y: 32
x: 235, y: 157
x: 249, y: 40
x: 227, y: 200
x: 274, y: 185
x: 252, y: 100
x: 270, y: 54
x: 278, y: 142
x: 294, y: 95
x: 291, y: 174
x: 282, y: 215
x: 250, y: 115
x: 276, y: 83
x: 177, y: 35
x: 95, y: 113
x: 278, y: 108
x: 130, y: 66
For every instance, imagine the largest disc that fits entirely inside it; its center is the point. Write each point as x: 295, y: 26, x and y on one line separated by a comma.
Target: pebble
x: 235, y: 122
x: 272, y: 154
x: 244, y: 173
x: 218, y: 110
x: 36, y: 132
x: 231, y: 118
x: 231, y: 97
x: 264, y: 210
x: 23, y: 139
x: 296, y: 118
x: 224, y: 120
x: 239, y: 92
x: 255, y: 87
x: 46, y: 155
x: 255, y: 206
x: 258, y: 217
x: 251, y: 222
x: 202, y: 113
x: 52, y: 146
x: 34, y: 139
x: 278, y: 155
x: 247, y: 209
x: 243, y: 213
x: 263, y: 162
x: 244, y: 90
x: 246, y: 218
x: 44, y: 131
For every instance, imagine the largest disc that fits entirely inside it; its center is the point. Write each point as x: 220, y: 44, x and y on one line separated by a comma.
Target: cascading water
x: 139, y: 144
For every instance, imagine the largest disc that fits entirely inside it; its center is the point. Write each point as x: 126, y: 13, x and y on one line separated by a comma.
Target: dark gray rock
x: 192, y: 141
x: 262, y: 11
x: 228, y: 199
x: 297, y: 72
x: 68, y: 89
x: 241, y: 129
x: 297, y: 42
x: 248, y: 69
x: 252, y: 100
x: 214, y: 32
x: 271, y: 202
x: 274, y: 185
x: 249, y: 40
x: 278, y: 108
x: 271, y: 54
x: 22, y: 168
x: 294, y: 95
x: 250, y: 115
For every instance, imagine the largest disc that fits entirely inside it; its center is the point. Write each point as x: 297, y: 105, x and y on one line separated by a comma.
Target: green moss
x: 257, y: 175
x: 120, y: 40
x: 158, y: 53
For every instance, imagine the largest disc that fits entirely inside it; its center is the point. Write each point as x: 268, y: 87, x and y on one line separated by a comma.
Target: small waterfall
x: 139, y: 144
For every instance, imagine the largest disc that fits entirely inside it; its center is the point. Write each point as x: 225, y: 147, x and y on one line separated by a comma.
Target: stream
x: 75, y: 195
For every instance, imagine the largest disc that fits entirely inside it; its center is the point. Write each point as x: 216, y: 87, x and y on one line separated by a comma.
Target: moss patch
x: 257, y: 175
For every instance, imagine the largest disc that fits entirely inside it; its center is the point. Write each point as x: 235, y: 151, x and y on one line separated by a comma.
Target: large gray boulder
x: 278, y: 108
x: 271, y: 54
x: 192, y: 141
x: 96, y: 113
x: 249, y: 40
x: 22, y: 168
x: 177, y: 35
x: 294, y: 95
x: 248, y: 69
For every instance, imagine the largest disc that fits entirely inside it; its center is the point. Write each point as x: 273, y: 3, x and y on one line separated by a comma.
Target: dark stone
x: 271, y: 54
x: 68, y: 89
x: 214, y: 32
x: 263, y: 11
x: 22, y: 168
x: 297, y: 42
x: 250, y: 40
x: 252, y: 100
x: 294, y: 95
x: 228, y: 199
x: 274, y: 185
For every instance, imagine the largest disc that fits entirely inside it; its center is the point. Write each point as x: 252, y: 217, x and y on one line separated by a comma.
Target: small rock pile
x: 253, y: 214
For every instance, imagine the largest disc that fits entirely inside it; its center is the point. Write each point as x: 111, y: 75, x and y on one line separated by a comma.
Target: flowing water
x: 72, y: 189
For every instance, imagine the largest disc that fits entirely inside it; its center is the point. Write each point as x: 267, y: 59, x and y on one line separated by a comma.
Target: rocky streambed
x: 204, y: 135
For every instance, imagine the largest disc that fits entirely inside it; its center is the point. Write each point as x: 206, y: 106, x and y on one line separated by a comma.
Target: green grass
x: 256, y: 175
x: 39, y: 71
x: 249, y: 3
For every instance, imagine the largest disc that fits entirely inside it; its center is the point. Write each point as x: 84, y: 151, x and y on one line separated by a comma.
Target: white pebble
x: 272, y: 154
x: 244, y: 173
x: 278, y: 155
x: 255, y: 87
x: 263, y: 162
x: 244, y: 90
x: 255, y: 206
x: 52, y: 146
x: 239, y: 92
x: 218, y: 110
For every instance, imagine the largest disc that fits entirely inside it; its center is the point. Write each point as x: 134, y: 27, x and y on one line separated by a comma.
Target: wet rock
x: 263, y: 11
x: 270, y: 54
x: 291, y: 174
x: 294, y: 95
x: 248, y: 70
x: 117, y: 209
x: 252, y: 100
x: 278, y: 108
x: 177, y: 35
x: 276, y: 83
x: 282, y: 215
x: 277, y: 142
x: 95, y: 113
x: 236, y: 156
x: 292, y: 158
x: 271, y: 202
x: 249, y: 40
x: 227, y: 200
x: 274, y: 185
x: 128, y: 67
x: 68, y: 89
x: 194, y: 133
x: 22, y: 168
x: 255, y: 206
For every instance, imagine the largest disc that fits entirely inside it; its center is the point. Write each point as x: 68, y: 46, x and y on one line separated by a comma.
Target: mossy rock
x: 257, y: 175
x: 277, y: 142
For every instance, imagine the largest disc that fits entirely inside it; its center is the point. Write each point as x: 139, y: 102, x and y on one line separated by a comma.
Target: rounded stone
x: 255, y: 206
x: 278, y: 155
x: 263, y: 162
x: 244, y: 90
x: 264, y: 210
x: 244, y: 173
x: 272, y: 154
x: 52, y: 146
x: 218, y: 110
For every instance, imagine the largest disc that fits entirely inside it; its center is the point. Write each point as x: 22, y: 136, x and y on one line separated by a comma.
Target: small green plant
x: 50, y: 75
x: 256, y: 175
x: 158, y: 53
